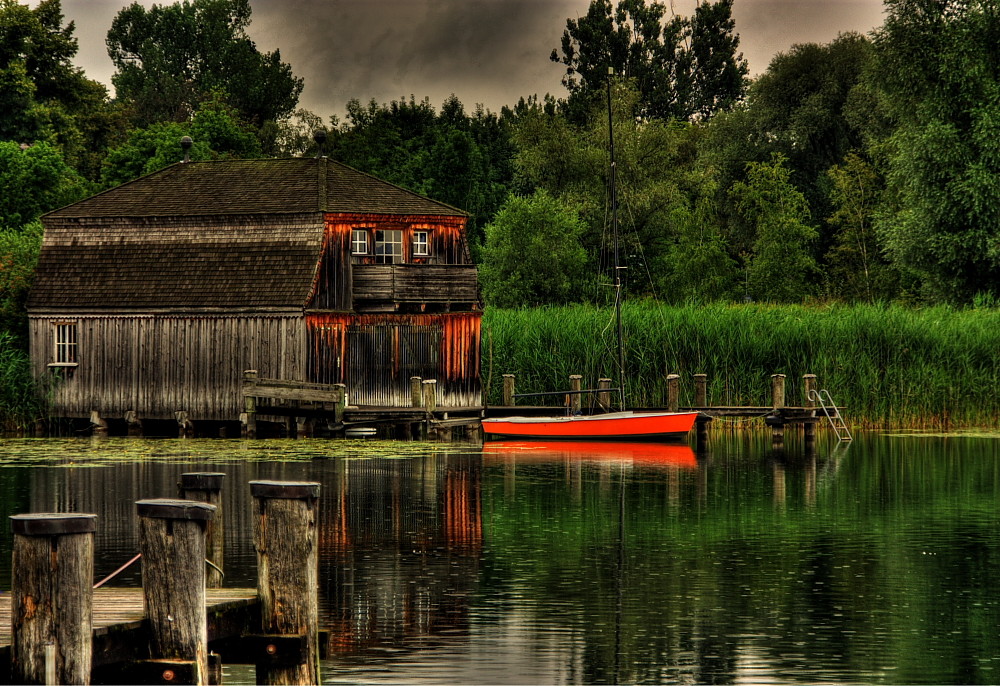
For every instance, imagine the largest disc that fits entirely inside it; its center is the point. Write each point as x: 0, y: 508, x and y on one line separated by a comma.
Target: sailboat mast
x: 614, y: 233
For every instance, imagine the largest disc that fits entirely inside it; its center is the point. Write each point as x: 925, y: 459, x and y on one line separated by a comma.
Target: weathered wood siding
x: 332, y: 289
x: 159, y: 364
x: 416, y: 283
x: 375, y: 356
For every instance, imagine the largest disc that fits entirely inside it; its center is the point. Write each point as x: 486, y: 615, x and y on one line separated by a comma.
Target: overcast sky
x: 488, y: 52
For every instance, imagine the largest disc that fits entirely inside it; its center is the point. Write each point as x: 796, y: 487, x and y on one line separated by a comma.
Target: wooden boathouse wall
x: 156, y: 365
x: 375, y: 355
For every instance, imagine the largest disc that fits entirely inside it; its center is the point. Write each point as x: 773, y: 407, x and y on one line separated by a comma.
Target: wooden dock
x: 121, y: 630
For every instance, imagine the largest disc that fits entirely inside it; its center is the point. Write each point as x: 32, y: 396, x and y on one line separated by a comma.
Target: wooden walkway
x: 120, y: 631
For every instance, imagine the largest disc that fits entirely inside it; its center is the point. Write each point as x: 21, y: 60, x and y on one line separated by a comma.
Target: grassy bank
x: 890, y: 366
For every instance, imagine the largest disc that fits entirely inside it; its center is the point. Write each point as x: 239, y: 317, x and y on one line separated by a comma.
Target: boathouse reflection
x: 400, y: 546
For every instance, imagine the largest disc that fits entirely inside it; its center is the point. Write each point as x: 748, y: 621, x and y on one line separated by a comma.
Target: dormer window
x: 359, y: 242
x: 421, y: 243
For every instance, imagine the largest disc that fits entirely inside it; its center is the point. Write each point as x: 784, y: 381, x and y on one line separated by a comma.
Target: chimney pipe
x: 186, y: 144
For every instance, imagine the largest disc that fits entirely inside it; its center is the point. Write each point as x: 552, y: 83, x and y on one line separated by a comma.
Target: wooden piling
x: 809, y: 425
x: 52, y: 598
x: 185, y: 427
x: 508, y: 390
x: 249, y: 417
x: 575, y: 399
x: 172, y: 543
x: 673, y: 392
x: 430, y: 394
x: 416, y: 391
x: 777, y: 391
x: 701, y: 390
x: 100, y: 426
x: 206, y: 487
x: 285, y: 536
x: 604, y: 399
x: 134, y: 424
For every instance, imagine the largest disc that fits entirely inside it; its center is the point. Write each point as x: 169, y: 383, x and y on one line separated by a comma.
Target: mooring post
x: 777, y: 404
x: 172, y: 543
x: 134, y: 424
x: 206, y: 487
x: 430, y: 394
x: 604, y: 397
x: 285, y: 536
x: 701, y: 390
x: 52, y: 595
x: 673, y: 392
x: 185, y: 428
x: 416, y: 391
x: 575, y: 399
x: 809, y: 425
x: 249, y: 404
x: 701, y: 434
x: 508, y: 390
x: 98, y: 424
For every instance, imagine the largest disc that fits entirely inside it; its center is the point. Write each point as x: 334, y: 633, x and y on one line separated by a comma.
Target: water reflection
x: 598, y: 564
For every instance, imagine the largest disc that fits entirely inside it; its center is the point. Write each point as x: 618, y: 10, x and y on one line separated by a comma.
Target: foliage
x: 21, y: 397
x: 683, y: 68
x: 858, y: 271
x: 215, y: 134
x: 172, y: 58
x: 781, y: 267
x: 43, y: 97
x: 34, y: 179
x: 19, y: 250
x: 937, y: 69
x: 893, y: 366
x: 533, y: 254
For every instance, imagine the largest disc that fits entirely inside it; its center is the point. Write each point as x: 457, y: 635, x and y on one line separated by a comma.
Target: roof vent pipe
x: 319, y: 136
x: 186, y: 144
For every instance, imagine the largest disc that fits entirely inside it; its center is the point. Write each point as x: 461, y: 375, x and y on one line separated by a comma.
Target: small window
x: 421, y: 243
x: 65, y: 343
x: 359, y: 242
x: 388, y: 246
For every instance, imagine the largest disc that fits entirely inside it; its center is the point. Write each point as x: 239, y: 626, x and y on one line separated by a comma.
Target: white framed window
x: 421, y: 243
x: 388, y: 246
x: 359, y: 242
x: 64, y: 339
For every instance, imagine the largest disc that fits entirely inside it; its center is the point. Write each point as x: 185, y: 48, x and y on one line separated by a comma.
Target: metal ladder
x: 832, y: 413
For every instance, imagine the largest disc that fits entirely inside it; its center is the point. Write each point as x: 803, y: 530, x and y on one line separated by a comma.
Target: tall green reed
x: 889, y: 366
x: 21, y: 398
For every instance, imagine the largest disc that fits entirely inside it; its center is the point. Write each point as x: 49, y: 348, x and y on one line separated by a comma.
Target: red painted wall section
x: 459, y: 354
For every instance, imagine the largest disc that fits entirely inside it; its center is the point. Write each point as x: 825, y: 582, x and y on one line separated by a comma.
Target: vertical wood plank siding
x: 375, y: 355
x: 159, y: 364
x: 332, y: 288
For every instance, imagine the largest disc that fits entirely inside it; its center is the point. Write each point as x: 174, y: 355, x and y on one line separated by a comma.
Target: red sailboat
x: 624, y: 425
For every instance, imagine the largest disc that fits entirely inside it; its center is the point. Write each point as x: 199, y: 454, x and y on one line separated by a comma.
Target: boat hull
x: 612, y: 426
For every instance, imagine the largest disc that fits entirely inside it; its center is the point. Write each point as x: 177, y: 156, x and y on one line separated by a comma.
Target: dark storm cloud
x: 484, y: 51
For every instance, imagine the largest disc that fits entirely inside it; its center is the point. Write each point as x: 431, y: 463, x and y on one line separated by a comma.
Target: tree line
x: 861, y: 170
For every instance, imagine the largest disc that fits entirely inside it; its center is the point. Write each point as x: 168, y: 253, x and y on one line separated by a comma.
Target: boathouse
x: 152, y: 298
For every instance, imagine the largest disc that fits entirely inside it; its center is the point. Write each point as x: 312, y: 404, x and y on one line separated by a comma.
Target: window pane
x: 359, y: 242
x: 388, y: 246
x: 421, y: 243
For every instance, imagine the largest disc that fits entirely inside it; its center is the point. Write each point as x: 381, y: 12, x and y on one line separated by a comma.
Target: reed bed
x: 890, y: 366
x: 21, y: 398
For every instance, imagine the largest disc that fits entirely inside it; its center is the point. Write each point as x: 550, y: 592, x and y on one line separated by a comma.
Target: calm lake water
x: 517, y: 564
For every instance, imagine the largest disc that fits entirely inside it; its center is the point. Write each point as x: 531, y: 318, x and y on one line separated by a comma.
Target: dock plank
x: 119, y: 620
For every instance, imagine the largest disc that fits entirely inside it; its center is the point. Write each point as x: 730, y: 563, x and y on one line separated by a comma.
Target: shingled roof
x: 271, y: 186
x: 232, y: 234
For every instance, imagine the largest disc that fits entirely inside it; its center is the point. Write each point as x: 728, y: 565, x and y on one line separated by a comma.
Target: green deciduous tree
x: 682, y: 67
x: 937, y: 67
x: 43, y: 97
x: 781, y: 267
x: 533, y: 254
x: 215, y: 134
x: 172, y: 58
x: 19, y: 249
x: 858, y: 270
x: 33, y: 180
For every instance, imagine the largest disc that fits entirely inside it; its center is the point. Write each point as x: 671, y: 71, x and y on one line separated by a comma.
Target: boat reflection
x: 657, y: 455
